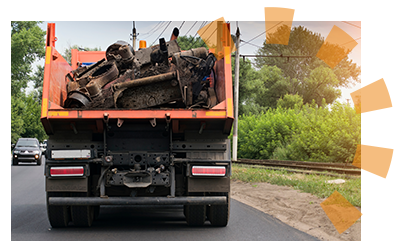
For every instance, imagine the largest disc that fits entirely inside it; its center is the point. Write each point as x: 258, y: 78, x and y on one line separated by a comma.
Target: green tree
x: 320, y: 84
x: 37, y: 79
x: 31, y: 117
x: 247, y: 89
x: 17, y: 122
x: 290, y: 102
x: 190, y: 42
x: 27, y: 45
x: 304, y: 76
x: 270, y: 86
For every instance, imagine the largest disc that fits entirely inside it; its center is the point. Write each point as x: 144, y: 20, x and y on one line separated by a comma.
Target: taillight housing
x: 66, y: 171
x: 219, y: 171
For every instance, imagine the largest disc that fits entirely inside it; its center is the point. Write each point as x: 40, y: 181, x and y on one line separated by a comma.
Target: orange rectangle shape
x: 336, y: 46
x: 278, y: 14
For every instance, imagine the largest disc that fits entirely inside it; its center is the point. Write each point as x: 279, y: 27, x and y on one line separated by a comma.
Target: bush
x: 260, y: 135
x: 309, y: 133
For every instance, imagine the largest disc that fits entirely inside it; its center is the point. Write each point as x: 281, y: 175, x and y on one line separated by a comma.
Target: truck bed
x: 54, y: 117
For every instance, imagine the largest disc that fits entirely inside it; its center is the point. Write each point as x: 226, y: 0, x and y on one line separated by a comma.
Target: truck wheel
x: 59, y: 216
x: 219, y: 214
x: 195, y: 214
x: 96, y: 212
x: 39, y: 162
x: 82, y: 216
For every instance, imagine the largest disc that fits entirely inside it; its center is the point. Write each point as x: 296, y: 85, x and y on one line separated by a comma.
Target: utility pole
x: 236, y: 97
x: 134, y: 36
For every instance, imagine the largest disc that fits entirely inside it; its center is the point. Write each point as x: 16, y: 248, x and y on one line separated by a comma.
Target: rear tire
x: 59, y: 216
x: 219, y: 214
x: 82, y: 216
x: 195, y: 214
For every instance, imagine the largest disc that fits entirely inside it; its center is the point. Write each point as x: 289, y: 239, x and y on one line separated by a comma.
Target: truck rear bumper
x: 95, y: 201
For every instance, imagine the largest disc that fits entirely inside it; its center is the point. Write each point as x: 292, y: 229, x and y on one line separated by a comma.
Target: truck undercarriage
x: 137, y: 164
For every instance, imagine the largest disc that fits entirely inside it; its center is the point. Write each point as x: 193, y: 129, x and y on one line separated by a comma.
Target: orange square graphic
x: 341, y: 212
x: 372, y: 97
x: 278, y: 23
x: 336, y: 46
x: 375, y: 160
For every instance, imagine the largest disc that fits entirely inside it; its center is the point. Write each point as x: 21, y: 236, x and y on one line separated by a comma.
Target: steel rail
x: 305, y: 167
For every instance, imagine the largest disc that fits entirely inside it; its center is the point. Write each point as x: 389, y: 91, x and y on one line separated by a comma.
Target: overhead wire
x: 162, y: 32
x: 153, y: 30
x: 192, y: 41
x: 181, y: 25
x: 190, y: 28
x: 248, y: 42
x: 352, y: 24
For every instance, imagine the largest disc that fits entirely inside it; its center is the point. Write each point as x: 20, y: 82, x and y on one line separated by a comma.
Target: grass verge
x: 313, y: 184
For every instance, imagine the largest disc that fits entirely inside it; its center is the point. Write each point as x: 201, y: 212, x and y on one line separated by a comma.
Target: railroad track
x: 319, y: 168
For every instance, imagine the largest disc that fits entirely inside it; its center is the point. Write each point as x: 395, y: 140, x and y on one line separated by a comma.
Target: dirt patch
x: 299, y: 210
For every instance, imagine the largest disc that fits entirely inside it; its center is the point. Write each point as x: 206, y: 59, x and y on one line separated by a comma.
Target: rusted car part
x: 199, y: 69
x: 101, y: 77
x: 122, y: 53
x: 149, y: 77
x: 160, y: 54
x: 198, y: 52
x: 142, y: 57
x: 83, y: 76
x: 77, y: 99
x: 147, y: 92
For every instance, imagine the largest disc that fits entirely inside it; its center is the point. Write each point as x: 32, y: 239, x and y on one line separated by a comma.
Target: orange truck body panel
x: 55, y: 93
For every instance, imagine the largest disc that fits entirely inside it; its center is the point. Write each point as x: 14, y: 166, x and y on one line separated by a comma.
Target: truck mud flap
x: 95, y: 201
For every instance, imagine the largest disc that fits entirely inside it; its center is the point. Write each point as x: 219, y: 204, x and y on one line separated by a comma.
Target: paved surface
x: 134, y: 223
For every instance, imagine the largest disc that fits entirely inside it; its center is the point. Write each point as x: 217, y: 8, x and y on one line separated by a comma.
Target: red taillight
x: 66, y: 171
x: 208, y: 171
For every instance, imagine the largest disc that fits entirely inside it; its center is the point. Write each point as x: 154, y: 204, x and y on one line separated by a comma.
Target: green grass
x: 313, y: 184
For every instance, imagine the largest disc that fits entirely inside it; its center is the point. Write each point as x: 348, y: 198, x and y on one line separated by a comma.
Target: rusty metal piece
x: 201, y: 52
x: 77, y: 99
x: 120, y: 87
x: 101, y: 77
x: 82, y: 74
x: 142, y: 57
x: 175, y: 34
x: 120, y: 122
x: 72, y: 85
x: 212, y: 98
x: 122, y: 53
x: 119, y: 48
x: 160, y: 55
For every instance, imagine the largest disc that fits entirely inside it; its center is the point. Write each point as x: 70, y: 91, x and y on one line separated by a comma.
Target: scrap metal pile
x: 160, y: 76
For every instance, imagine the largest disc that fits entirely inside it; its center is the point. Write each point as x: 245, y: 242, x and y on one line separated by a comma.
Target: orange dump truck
x: 157, y: 155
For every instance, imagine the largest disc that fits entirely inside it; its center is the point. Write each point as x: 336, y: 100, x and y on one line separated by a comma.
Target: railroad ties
x: 318, y: 168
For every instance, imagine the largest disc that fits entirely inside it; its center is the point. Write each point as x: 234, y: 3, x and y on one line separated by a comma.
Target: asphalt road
x: 134, y: 223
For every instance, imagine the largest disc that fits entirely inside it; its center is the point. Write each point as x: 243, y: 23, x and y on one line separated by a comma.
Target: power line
x: 190, y: 28
x: 162, y: 32
x: 154, y: 29
x: 193, y: 40
x: 352, y: 24
x: 262, y: 33
x: 252, y: 44
x: 350, y: 41
x: 181, y: 25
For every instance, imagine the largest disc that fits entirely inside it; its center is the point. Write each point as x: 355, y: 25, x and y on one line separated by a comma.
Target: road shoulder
x: 294, y: 208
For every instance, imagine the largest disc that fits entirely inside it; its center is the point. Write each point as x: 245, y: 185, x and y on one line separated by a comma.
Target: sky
x: 94, y: 34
